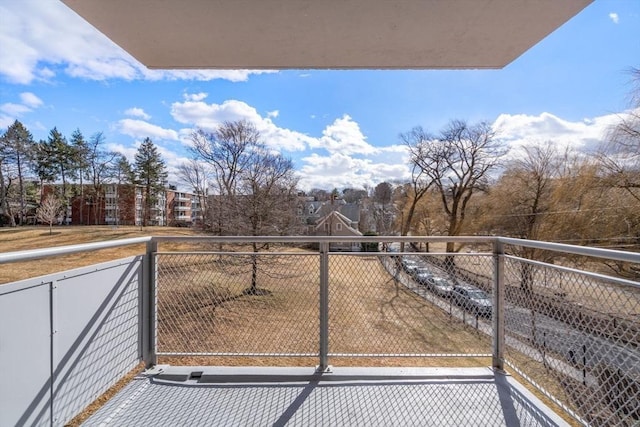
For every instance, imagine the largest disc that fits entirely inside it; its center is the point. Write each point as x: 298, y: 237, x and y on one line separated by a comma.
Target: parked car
x: 410, y: 265
x: 423, y: 275
x: 472, y: 299
x: 441, y: 286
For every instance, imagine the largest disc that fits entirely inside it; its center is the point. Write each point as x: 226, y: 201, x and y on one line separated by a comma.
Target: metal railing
x: 566, y: 318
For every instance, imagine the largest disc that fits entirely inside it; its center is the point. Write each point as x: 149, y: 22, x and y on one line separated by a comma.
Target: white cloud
x: 128, y: 152
x: 30, y: 100
x: 352, y: 161
x: 273, y: 114
x: 614, y: 17
x: 35, y: 39
x: 344, y: 136
x: 208, y: 117
x: 140, y: 129
x: 195, y: 96
x: 137, y: 112
x: 340, y: 170
x: 521, y: 130
x: 14, y: 109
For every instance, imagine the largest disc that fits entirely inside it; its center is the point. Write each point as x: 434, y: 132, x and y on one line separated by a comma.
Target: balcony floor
x: 259, y: 396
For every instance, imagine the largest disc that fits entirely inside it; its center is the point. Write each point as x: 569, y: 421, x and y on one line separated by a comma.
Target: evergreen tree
x: 151, y: 174
x: 80, y: 163
x: 61, y: 158
x: 16, y: 151
x: 42, y: 165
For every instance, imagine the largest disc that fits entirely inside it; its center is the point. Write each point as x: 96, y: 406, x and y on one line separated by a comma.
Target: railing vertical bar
x: 498, y: 305
x: 324, y: 307
x: 53, y: 343
x: 149, y: 305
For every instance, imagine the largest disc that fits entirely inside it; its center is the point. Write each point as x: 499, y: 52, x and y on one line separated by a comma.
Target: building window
x: 339, y: 226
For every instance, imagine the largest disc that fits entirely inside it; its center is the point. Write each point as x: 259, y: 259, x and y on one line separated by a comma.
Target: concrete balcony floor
x: 262, y: 396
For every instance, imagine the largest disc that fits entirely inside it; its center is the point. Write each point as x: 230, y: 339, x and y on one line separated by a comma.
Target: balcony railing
x: 564, y: 318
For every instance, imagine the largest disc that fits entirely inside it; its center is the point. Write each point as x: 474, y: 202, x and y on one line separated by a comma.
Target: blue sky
x: 340, y: 127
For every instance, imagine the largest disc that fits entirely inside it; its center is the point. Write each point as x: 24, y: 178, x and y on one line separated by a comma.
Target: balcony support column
x: 324, y: 308
x: 498, y: 305
x: 148, y: 305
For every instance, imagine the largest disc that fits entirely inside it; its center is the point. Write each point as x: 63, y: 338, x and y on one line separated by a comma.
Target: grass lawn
x: 25, y: 238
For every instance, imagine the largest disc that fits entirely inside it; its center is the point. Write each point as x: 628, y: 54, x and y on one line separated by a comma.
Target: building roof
x: 346, y: 222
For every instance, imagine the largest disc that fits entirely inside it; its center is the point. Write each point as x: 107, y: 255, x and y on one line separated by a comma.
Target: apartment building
x: 123, y: 204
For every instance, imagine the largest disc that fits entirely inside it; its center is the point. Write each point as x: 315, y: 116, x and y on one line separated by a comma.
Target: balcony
x: 298, y: 335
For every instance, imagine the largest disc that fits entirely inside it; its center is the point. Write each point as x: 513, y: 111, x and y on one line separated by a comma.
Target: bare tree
x: 100, y: 167
x: 522, y: 197
x: 49, y: 211
x: 523, y: 194
x: 420, y: 184
x: 457, y: 163
x: 619, y: 156
x: 196, y: 174
x: 255, y: 190
x: 5, y: 186
x: 268, y: 202
x: 124, y: 178
x: 229, y: 150
x: 382, y: 196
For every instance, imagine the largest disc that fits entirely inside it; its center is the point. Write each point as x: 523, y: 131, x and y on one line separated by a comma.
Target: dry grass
x: 104, y: 397
x: 25, y: 238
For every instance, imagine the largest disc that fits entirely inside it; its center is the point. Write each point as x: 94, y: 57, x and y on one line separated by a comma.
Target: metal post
x: 324, y: 307
x: 498, y: 305
x: 148, y: 305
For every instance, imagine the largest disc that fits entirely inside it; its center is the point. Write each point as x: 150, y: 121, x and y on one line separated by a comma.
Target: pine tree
x: 80, y: 163
x: 151, y: 174
x: 61, y: 158
x: 16, y: 150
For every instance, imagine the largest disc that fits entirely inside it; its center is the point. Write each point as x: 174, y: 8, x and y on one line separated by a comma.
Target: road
x: 555, y: 343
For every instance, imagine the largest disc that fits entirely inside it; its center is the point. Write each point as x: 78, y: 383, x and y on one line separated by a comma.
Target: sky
x: 340, y: 127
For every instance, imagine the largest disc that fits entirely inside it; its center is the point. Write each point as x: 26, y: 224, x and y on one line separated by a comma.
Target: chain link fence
x: 576, y: 334
x: 571, y: 323
x: 400, y: 305
x: 385, y: 305
x: 237, y: 303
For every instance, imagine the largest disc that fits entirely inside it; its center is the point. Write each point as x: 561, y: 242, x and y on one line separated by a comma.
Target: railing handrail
x: 33, y: 254
x: 326, y: 239
x: 574, y: 249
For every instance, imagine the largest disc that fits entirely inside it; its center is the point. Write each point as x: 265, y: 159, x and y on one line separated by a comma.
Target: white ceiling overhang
x: 278, y: 34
